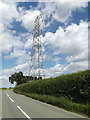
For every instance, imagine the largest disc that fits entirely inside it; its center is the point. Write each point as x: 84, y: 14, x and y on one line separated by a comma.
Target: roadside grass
x: 2, y: 89
x: 60, y: 102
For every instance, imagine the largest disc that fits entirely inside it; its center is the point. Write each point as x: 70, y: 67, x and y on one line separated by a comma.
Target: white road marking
x: 7, y: 95
x: 24, y: 113
x: 11, y: 99
x: 19, y: 108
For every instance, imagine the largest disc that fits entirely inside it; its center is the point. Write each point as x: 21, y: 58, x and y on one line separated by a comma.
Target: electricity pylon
x: 36, y: 64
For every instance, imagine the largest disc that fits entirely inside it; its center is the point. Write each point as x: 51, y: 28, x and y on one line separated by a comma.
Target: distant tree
x: 20, y: 79
x: 30, y: 78
x: 39, y: 78
x: 16, y: 77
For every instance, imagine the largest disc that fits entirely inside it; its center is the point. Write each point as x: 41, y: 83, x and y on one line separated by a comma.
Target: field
x: 71, y: 91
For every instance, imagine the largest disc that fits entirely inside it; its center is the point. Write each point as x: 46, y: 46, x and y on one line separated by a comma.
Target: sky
x: 64, y: 37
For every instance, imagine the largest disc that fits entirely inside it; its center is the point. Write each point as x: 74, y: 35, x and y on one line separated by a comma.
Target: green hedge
x: 75, y: 86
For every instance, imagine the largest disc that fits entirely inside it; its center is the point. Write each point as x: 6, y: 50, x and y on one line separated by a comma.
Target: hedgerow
x: 75, y: 86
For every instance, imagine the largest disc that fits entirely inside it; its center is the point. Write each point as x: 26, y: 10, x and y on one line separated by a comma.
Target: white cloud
x: 23, y: 59
x: 63, y: 1
x: 61, y: 10
x: 77, y: 66
x: 16, y: 46
x: 46, y: 1
x: 71, y: 41
x: 56, y: 59
x: 28, y: 19
x: 21, y: 55
x: 8, y: 12
x: 8, y: 40
x: 16, y: 53
x: 28, y: 44
x: 76, y: 58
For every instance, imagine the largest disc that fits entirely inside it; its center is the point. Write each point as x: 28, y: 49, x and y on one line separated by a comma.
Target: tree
x: 16, y: 77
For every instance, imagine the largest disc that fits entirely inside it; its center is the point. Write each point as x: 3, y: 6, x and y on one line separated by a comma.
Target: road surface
x: 0, y: 104
x: 19, y: 106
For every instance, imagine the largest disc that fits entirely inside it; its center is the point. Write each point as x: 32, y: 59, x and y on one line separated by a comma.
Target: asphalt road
x: 0, y: 105
x: 19, y: 106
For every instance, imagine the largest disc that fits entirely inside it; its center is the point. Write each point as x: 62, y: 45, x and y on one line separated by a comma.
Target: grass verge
x: 2, y: 89
x: 60, y: 102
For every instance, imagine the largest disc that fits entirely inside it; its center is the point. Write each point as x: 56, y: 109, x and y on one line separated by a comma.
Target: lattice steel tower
x: 36, y: 64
